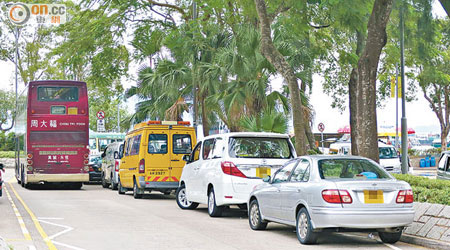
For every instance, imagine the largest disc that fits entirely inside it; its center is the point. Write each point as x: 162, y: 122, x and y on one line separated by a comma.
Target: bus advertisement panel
x: 52, y: 132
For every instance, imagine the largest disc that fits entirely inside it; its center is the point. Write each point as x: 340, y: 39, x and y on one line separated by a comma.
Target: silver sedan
x: 333, y: 193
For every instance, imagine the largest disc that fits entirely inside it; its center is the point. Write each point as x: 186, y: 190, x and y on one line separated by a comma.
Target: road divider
x: 38, y: 226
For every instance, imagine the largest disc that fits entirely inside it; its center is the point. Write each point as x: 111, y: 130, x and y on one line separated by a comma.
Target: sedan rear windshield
x: 350, y: 169
x: 257, y: 147
x: 58, y: 94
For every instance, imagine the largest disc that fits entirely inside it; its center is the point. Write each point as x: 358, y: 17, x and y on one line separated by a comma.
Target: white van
x: 389, y: 158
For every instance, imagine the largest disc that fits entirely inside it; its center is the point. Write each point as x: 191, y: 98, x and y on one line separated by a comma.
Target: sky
x: 419, y: 115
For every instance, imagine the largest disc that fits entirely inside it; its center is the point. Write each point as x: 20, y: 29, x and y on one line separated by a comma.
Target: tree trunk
x: 205, y: 122
x: 366, y: 113
x: 282, y: 66
x: 443, y: 141
x: 352, y: 83
x: 310, y: 136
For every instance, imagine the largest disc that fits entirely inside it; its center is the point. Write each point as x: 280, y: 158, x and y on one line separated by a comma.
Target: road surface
x: 95, y: 218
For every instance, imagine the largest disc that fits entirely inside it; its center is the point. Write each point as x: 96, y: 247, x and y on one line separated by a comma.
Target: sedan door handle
x: 298, y: 190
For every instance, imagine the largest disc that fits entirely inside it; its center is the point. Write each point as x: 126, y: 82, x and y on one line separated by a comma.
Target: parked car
x: 95, y: 168
x: 223, y: 169
x: 333, y: 193
x: 390, y: 159
x: 110, y: 165
x: 1, y: 178
x: 153, y: 156
x: 443, y: 170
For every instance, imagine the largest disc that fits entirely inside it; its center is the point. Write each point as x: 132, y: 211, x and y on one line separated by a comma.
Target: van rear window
x: 182, y: 144
x: 157, y: 144
x: 57, y: 94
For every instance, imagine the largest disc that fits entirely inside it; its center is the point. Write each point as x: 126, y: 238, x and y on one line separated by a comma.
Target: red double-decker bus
x: 52, y: 133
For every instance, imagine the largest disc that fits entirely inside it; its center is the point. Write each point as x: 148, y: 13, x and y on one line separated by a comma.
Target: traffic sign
x: 321, y: 127
x: 101, y: 114
x: 101, y: 125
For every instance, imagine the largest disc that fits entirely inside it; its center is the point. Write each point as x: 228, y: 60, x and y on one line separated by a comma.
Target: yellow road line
x: 38, y: 226
x: 24, y: 229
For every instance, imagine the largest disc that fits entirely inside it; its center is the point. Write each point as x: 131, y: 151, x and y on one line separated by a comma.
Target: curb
x: 433, y: 244
x: 3, y: 245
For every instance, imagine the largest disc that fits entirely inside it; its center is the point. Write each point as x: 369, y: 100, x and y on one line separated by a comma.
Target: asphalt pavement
x: 94, y: 218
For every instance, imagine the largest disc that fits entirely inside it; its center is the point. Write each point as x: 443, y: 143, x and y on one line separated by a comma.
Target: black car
x: 95, y: 168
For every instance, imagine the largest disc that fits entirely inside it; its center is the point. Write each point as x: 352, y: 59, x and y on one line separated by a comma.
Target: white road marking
x: 31, y: 248
x: 66, y: 230
x: 371, y: 236
x: 49, y: 218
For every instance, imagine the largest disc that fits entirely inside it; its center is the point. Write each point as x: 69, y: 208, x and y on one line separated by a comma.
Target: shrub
x: 7, y: 154
x: 427, y: 190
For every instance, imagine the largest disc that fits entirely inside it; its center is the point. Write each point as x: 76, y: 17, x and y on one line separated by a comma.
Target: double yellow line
x: 38, y: 226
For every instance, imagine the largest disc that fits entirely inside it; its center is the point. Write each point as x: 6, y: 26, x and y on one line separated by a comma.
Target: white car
x: 110, y: 165
x: 223, y: 169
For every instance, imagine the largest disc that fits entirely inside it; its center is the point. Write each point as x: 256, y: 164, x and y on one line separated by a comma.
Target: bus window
x: 58, y: 94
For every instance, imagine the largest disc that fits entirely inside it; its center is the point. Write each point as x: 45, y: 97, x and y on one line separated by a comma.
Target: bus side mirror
x: 186, y: 158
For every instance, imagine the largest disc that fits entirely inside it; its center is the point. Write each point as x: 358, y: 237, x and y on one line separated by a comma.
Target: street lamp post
x: 403, y: 123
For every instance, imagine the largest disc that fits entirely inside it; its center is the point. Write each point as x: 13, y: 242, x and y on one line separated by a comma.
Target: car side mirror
x: 266, y: 179
x: 186, y: 158
x: 116, y: 155
x: 103, y: 155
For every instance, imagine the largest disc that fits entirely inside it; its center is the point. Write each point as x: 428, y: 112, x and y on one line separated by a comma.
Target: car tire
x: 136, y: 191
x: 213, y: 209
x: 120, y: 189
x: 390, y: 238
x: 113, y: 185
x: 104, y: 183
x: 182, y: 201
x: 254, y: 217
x: 304, y: 228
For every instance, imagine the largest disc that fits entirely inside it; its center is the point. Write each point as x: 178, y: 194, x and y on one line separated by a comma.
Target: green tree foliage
x: 7, y: 105
x: 7, y: 142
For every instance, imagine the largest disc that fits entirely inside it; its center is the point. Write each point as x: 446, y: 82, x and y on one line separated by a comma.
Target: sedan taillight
x: 142, y: 166
x: 405, y: 196
x: 116, y: 166
x: 336, y: 196
x: 231, y: 169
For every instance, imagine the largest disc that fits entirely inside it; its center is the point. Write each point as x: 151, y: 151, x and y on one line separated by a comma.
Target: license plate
x: 373, y: 196
x: 262, y: 172
x: 157, y: 173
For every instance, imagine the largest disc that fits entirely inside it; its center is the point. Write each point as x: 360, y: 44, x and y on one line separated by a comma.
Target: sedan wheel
x: 213, y: 209
x: 182, y: 200
x: 254, y: 217
x: 304, y: 228
x: 390, y: 238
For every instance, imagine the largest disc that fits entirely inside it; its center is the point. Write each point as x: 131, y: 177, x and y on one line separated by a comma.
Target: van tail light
x: 231, y: 169
x: 405, y: 196
x: 336, y: 196
x: 142, y: 166
x: 91, y: 169
x: 116, y: 166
